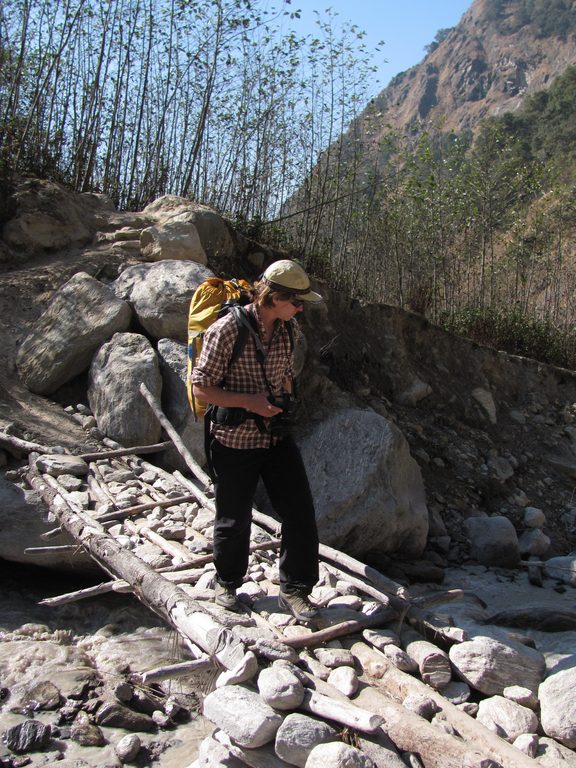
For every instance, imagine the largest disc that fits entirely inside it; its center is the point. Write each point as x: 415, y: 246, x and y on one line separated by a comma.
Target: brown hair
x: 264, y: 293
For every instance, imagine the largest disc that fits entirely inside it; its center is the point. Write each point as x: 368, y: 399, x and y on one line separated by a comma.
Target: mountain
x: 500, y: 52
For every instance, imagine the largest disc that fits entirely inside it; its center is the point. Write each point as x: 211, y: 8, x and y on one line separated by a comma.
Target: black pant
x: 284, y: 476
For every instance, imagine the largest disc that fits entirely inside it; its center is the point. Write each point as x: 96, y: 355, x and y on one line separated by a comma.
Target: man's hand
x: 261, y: 405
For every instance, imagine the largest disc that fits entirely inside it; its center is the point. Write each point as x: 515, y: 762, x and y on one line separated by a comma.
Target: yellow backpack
x: 211, y: 300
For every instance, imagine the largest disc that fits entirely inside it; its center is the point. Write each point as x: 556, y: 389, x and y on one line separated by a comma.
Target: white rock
x: 345, y: 679
x: 534, y: 517
x: 558, y: 706
x: 491, y: 666
x: 527, y: 743
x: 280, y: 688
x: 128, y: 747
x: 338, y: 755
x: 242, y: 714
x: 298, y: 735
x: 506, y: 718
x: 521, y: 695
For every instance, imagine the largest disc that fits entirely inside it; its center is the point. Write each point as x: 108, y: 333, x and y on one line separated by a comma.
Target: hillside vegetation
x: 472, y: 226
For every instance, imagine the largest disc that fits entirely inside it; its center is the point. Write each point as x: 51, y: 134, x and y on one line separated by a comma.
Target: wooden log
x: 340, y: 630
x: 135, y: 450
x: 16, y: 446
x: 414, y: 735
x: 51, y: 550
x: 342, y: 712
x: 171, y: 671
x: 154, y: 590
x: 174, y: 436
x: 433, y: 663
x: 122, y: 514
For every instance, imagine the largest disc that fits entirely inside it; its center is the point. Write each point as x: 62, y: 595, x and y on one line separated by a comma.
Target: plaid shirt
x: 245, y: 375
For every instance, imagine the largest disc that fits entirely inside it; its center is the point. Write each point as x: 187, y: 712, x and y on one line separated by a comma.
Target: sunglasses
x: 297, y: 303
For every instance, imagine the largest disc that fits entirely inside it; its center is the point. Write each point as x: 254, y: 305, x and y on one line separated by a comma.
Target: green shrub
x: 516, y: 333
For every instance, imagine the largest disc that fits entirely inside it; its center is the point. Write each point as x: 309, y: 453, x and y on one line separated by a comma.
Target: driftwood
x: 171, y: 671
x: 16, y: 446
x: 340, y: 630
x: 187, y: 616
x: 433, y: 663
x: 136, y: 450
x: 175, y: 437
x: 413, y: 734
x: 342, y: 712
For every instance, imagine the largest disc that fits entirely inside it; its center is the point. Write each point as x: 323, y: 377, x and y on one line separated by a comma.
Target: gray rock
x: 506, y: 718
x: 186, y: 230
x: 527, y: 743
x: 334, y: 657
x: 338, y: 755
x: 128, y: 747
x: 298, y: 735
x: 22, y: 522
x: 533, y: 542
x: 380, y: 749
x: 534, y: 518
x: 558, y: 706
x: 554, y: 755
x: 562, y: 568
x: 84, y: 732
x: 61, y: 464
x: 42, y: 696
x: 522, y: 696
x: 493, y: 541
x: 243, y: 715
x: 491, y: 666
x: 82, y: 315
x: 160, y: 295
x: 116, y: 373
x: 456, y: 692
x: 369, y: 495
x: 280, y: 688
x: 344, y: 679
x: 116, y: 715
x: 29, y: 736
x: 213, y: 754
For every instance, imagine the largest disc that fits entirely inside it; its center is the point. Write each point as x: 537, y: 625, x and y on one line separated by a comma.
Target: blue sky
x: 405, y: 26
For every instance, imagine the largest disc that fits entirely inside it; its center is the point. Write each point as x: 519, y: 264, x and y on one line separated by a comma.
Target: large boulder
x: 558, y: 706
x: 493, y: 541
x: 116, y: 373
x: 82, y: 315
x: 172, y: 359
x: 47, y: 217
x: 367, y: 488
x: 23, y: 520
x: 160, y: 295
x: 490, y: 666
x: 185, y: 230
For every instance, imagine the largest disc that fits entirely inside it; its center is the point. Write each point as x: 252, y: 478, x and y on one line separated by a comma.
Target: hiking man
x: 252, y: 440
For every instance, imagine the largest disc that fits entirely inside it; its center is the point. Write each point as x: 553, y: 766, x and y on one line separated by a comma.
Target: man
x: 252, y: 441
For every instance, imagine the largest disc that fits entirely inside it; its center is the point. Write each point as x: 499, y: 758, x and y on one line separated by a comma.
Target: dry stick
x: 170, y: 602
x: 155, y: 448
x: 174, y: 436
x: 340, y: 630
x: 176, y: 670
x: 172, y: 548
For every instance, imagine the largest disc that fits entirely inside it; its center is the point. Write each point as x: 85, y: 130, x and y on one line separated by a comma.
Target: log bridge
x: 150, y: 531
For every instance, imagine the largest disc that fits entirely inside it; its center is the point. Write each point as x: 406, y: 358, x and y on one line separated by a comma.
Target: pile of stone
x: 364, y: 686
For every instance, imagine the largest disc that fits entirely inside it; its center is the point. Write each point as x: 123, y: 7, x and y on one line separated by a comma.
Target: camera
x: 281, y: 424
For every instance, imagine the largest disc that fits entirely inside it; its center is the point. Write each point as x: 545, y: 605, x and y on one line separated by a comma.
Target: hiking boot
x: 298, y: 604
x: 225, y: 597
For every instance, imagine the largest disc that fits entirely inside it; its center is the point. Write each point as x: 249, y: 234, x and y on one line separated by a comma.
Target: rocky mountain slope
x: 500, y: 52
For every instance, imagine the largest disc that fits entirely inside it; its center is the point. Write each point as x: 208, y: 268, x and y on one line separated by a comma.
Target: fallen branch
x: 136, y: 450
